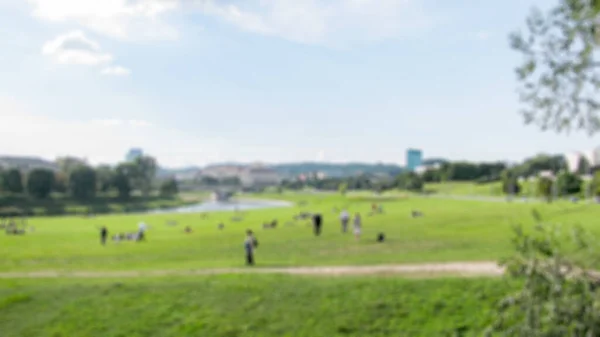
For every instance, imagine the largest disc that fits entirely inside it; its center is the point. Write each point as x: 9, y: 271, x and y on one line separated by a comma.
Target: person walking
x: 250, y: 244
x: 357, y: 226
x: 103, y: 235
x: 345, y: 218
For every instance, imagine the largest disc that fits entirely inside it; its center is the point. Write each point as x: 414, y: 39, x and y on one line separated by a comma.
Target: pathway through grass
x: 431, y: 269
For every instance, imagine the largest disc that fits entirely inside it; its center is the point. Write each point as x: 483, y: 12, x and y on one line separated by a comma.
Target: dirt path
x: 464, y: 269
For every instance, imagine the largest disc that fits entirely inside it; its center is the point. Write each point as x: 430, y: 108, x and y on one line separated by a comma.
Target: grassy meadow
x: 451, y: 230
x: 249, y: 306
x: 269, y: 305
x: 465, y: 188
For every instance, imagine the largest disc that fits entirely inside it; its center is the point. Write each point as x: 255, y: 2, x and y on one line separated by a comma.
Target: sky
x: 193, y: 82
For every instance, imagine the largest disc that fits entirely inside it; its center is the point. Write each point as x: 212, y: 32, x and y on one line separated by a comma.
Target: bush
x: 558, y: 296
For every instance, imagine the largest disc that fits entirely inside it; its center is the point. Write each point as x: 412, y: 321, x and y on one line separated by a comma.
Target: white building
x: 573, y: 159
x: 259, y: 176
x: 222, y: 171
x: 423, y: 168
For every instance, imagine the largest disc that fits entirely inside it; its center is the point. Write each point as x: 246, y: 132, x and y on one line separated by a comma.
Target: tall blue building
x: 414, y: 159
x: 134, y: 154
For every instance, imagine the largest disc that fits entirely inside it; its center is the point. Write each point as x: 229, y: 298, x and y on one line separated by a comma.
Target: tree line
x: 515, y: 179
x: 84, y: 182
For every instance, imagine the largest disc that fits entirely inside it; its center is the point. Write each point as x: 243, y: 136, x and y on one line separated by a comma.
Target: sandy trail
x: 464, y: 269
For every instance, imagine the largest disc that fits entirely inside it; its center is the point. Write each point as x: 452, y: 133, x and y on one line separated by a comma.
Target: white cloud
x: 121, y: 19
x: 75, y: 48
x: 116, y: 71
x: 332, y: 22
x: 324, y: 22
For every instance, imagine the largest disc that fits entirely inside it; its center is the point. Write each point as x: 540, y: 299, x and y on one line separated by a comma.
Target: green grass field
x: 451, y: 230
x: 243, y: 305
x: 268, y: 305
x: 465, y: 188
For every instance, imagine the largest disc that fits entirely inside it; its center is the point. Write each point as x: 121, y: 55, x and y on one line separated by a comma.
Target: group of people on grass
x: 250, y: 243
x: 11, y: 227
x: 140, y: 235
x: 357, y: 223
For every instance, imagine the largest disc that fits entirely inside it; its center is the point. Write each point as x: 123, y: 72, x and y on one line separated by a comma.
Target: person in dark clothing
x: 250, y: 244
x: 317, y: 222
x: 103, y: 235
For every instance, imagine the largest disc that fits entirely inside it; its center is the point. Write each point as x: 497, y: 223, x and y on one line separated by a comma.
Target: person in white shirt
x: 344, y: 218
x: 141, y: 231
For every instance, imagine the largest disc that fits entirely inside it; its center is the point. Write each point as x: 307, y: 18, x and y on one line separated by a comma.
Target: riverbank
x: 14, y: 206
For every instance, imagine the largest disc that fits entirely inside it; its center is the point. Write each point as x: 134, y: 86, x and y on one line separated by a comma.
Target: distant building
x: 427, y: 166
x: 222, y: 171
x: 26, y: 164
x: 592, y: 157
x: 134, y: 154
x: 259, y: 176
x: 414, y: 159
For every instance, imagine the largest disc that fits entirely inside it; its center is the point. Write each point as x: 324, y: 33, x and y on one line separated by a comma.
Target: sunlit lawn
x: 449, y: 231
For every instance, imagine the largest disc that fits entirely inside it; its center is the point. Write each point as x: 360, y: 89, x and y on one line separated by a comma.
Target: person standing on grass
x: 317, y: 223
x: 141, y: 236
x: 103, y: 235
x: 357, y: 226
x: 344, y: 218
x: 250, y: 244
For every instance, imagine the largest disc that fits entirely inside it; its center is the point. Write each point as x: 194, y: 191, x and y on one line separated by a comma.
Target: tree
x: 569, y: 184
x: 169, y: 188
x: 409, y: 181
x: 104, y: 177
x: 584, y: 166
x: 560, y: 74
x: 209, y: 181
x: 231, y: 181
x: 541, y: 162
x: 40, y: 183
x: 343, y: 188
x: 595, y: 188
x: 143, y: 174
x: 544, y: 188
x: 510, y: 183
x: 122, y: 179
x: 432, y: 175
x: 82, y: 182
x: 68, y: 164
x: 60, y: 182
x: 13, y: 181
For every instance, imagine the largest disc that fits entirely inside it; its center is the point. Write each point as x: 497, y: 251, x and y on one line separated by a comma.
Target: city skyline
x: 194, y: 83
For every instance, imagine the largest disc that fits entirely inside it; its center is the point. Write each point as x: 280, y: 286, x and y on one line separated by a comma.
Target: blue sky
x: 200, y: 81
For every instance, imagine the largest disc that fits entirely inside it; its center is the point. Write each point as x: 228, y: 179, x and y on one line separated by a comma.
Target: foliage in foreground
x: 558, y: 297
